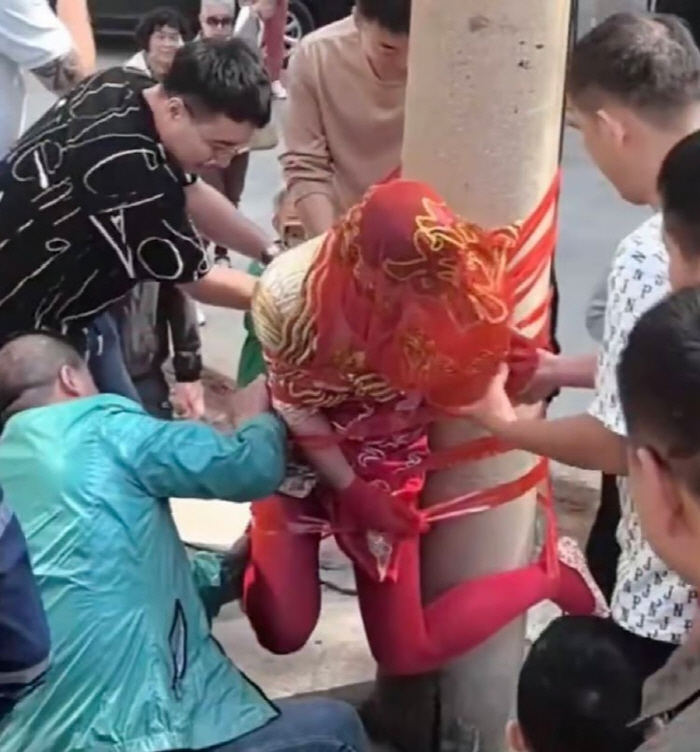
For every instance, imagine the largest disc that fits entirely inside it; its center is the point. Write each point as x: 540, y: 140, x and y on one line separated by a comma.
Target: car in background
x: 119, y: 17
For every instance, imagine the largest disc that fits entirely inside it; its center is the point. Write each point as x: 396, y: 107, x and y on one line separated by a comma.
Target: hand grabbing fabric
x: 362, y: 507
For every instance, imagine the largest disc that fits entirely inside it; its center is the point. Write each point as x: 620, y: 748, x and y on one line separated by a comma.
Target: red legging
x: 283, y: 597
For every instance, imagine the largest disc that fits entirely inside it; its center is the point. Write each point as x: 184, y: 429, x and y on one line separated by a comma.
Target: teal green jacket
x: 134, y: 665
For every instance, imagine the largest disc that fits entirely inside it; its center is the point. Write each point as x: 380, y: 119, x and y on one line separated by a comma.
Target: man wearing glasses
x: 99, y: 195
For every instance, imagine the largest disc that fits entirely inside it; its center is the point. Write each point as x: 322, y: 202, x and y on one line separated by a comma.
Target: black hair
x: 649, y: 63
x: 157, y: 19
x: 30, y: 363
x: 579, y: 690
x: 224, y: 77
x: 392, y: 15
x: 659, y: 384
x: 679, y: 191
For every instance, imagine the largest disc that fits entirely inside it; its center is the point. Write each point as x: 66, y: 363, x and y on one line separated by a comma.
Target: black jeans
x: 645, y: 654
x: 105, y: 359
x: 603, y: 550
x: 154, y: 392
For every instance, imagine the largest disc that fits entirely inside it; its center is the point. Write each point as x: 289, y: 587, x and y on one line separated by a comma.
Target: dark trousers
x: 603, y: 551
x: 154, y: 392
x: 105, y: 359
x: 647, y: 655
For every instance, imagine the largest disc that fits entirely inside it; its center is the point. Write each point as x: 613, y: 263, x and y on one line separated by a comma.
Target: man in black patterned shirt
x: 99, y: 193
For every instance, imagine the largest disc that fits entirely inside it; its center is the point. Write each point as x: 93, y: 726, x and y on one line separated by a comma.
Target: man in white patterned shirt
x: 635, y: 91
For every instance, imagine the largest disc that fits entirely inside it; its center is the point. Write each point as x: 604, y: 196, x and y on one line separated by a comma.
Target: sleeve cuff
x: 187, y: 367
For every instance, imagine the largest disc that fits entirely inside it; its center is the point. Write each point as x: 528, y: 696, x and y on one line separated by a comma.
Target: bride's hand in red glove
x: 365, y: 507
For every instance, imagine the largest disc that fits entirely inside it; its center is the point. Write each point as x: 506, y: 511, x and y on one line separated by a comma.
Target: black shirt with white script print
x: 91, y: 203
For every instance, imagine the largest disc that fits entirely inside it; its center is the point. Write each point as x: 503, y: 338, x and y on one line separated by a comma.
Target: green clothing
x: 135, y: 668
x: 252, y: 363
x: 206, y: 572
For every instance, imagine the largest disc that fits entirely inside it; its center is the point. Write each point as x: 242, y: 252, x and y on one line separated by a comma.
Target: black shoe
x: 233, y: 568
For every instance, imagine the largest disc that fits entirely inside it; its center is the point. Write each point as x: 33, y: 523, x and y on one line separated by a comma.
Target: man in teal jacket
x: 134, y: 665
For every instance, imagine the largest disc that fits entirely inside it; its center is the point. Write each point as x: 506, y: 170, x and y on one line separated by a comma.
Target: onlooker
x: 24, y: 633
x: 662, y: 413
x: 275, y: 47
x: 152, y: 317
x: 216, y: 19
x: 59, y: 51
x: 155, y: 314
x: 356, y: 65
x: 344, y: 124
x: 579, y: 690
x: 135, y: 666
x: 659, y: 381
x: 634, y: 86
x: 122, y: 194
x: 159, y: 35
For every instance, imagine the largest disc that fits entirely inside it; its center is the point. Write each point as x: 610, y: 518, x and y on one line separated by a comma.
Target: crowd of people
x: 118, y: 210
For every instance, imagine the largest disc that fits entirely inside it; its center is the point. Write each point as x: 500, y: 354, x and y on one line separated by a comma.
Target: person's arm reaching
x: 227, y: 288
x: 58, y: 48
x: 580, y: 441
x: 183, y: 459
x: 218, y: 220
x: 180, y: 314
x: 306, y: 161
x: 557, y: 372
x: 171, y: 250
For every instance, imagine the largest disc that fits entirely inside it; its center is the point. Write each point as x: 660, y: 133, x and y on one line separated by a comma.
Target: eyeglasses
x: 219, y: 21
x: 219, y: 151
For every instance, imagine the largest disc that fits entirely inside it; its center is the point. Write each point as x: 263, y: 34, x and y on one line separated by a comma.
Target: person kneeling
x: 135, y: 666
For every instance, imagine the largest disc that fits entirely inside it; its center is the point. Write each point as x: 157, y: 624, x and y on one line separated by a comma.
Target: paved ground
x: 593, y: 220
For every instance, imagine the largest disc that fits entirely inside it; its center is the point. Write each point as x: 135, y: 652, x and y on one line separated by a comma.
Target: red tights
x: 283, y: 598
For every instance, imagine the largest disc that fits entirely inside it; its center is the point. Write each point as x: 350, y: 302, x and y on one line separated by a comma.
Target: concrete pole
x: 483, y: 123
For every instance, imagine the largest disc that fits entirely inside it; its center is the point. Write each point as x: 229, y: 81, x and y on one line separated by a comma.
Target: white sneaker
x: 278, y: 90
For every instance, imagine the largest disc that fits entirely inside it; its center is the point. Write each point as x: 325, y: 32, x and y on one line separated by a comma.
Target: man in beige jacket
x: 344, y: 124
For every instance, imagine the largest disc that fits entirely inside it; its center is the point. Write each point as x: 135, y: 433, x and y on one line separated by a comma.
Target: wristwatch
x: 272, y: 252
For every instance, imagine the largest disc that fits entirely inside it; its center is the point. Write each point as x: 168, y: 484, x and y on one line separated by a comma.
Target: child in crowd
x: 579, y: 690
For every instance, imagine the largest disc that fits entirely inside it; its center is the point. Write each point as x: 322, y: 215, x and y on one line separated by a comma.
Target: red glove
x: 361, y: 507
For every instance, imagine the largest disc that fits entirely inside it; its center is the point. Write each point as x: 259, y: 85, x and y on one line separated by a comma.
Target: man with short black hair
x: 344, y: 125
x: 98, y: 195
x: 662, y: 410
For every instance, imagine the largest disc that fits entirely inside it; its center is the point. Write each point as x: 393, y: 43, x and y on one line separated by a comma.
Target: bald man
x: 134, y: 664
